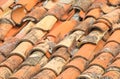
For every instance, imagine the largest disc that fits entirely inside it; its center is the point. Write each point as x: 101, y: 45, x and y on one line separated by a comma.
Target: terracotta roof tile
x: 59, y: 39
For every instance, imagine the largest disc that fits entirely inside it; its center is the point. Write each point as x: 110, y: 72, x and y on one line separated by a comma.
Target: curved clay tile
x: 4, y: 4
x: 35, y: 15
x: 12, y: 62
x: 18, y: 13
x: 69, y: 73
x: 28, y: 4
x: 114, y: 2
x: 5, y: 73
x: 27, y: 71
x: 5, y: 27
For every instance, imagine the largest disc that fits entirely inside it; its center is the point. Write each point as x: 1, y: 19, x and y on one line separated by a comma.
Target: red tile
x: 115, y: 27
x: 97, y: 4
x: 59, y: 10
x: 115, y: 37
x: 26, y: 72
x: 100, y: 26
x: 116, y: 64
x: 111, y: 75
x: 86, y: 51
x: 48, y: 22
x: 14, y: 31
x: 114, y: 2
x: 55, y: 65
x: 95, y: 13
x: 29, y: 4
x: 69, y: 73
x: 18, y: 13
x: 8, y: 46
x: 78, y: 63
x: 50, y: 4
x: 46, y: 74
x: 102, y: 60
x: 61, y: 52
x: 12, y: 62
x: 99, y: 47
x: 20, y: 51
x: 31, y: 66
x: 34, y: 36
x: 2, y: 58
x: 112, y: 48
x: 24, y: 31
x: 5, y: 73
x: 61, y: 30
x: 35, y: 15
x: 83, y: 4
x: 107, y: 9
x: 85, y: 25
x: 93, y: 72
x: 109, y: 17
x: 5, y: 4
x: 4, y: 29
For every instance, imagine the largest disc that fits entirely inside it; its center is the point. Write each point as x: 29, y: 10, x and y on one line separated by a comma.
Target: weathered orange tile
x: 46, y: 74
x: 100, y: 26
x: 61, y: 30
x: 79, y: 4
x: 20, y: 51
x: 93, y: 72
x: 29, y: 4
x: 102, y: 60
x: 18, y: 13
x: 24, y: 30
x: 2, y: 58
x: 112, y: 48
x: 61, y: 52
x: 15, y: 31
x: 106, y: 8
x: 25, y: 72
x: 114, y: 2
x: 8, y: 46
x: 34, y: 36
x: 95, y: 13
x: 115, y: 37
x: 99, y: 47
x: 50, y: 4
x: 48, y: 22
x: 109, y: 17
x: 12, y: 62
x: 35, y: 15
x: 115, y: 27
x: 78, y: 63
x: 69, y: 73
x: 5, y: 73
x: 97, y: 4
x: 4, y: 29
x: 116, y: 64
x: 86, y: 51
x: 31, y: 66
x: 55, y: 65
x: 4, y: 4
x: 111, y: 75
x: 59, y: 10
x: 68, y: 15
x: 85, y: 25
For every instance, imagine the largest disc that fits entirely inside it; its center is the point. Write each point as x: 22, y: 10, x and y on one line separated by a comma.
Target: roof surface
x: 59, y: 39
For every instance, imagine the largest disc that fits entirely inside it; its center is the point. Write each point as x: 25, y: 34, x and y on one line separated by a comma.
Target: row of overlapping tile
x: 59, y: 39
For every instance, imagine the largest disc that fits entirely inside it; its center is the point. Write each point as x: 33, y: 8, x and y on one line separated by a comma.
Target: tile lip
x: 113, y: 68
